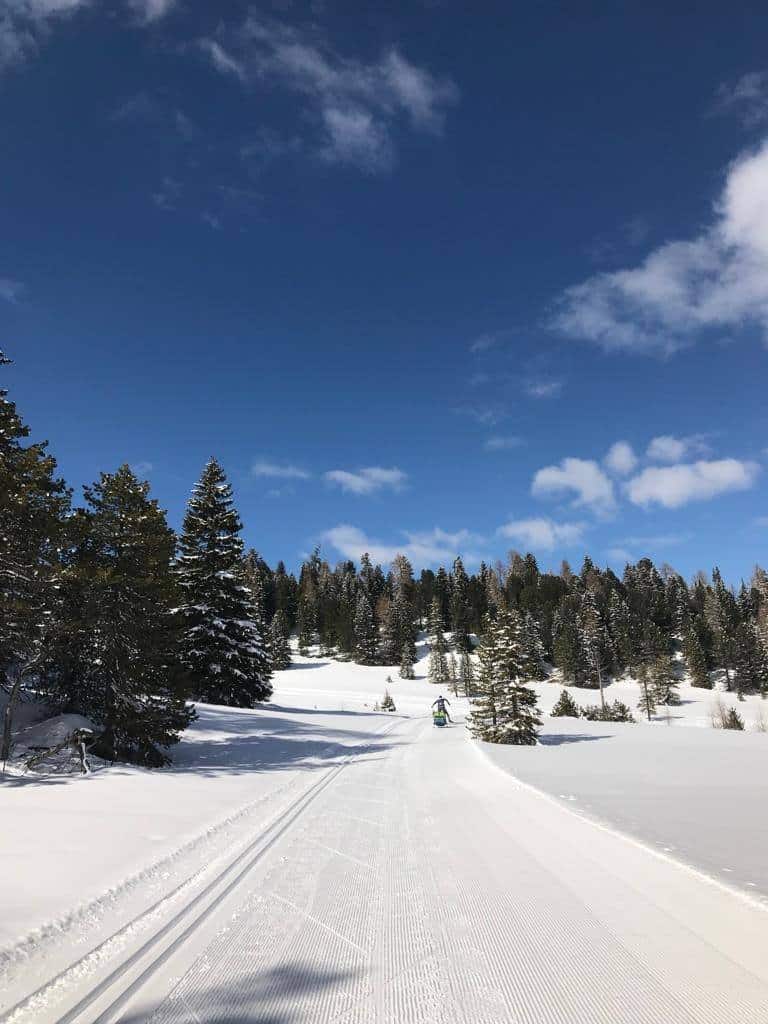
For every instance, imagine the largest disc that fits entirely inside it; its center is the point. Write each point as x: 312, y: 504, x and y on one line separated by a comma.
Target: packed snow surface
x: 314, y: 860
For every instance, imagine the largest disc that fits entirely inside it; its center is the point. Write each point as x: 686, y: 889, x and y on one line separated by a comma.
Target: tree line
x: 105, y: 612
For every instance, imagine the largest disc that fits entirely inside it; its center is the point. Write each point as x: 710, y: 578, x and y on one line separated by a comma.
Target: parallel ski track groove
x: 241, y: 865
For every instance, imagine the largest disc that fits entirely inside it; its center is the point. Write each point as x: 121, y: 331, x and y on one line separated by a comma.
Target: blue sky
x: 424, y: 277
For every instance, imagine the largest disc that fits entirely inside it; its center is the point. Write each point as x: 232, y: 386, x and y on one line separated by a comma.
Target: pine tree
x: 664, y: 681
x: 406, y: 663
x: 566, y: 706
x: 750, y: 661
x: 533, y: 649
x: 595, y: 642
x: 34, y: 505
x: 460, y: 607
x: 437, y: 670
x: 366, y: 633
x: 466, y: 674
x: 222, y: 644
x: 387, y: 703
x: 696, y: 659
x: 505, y: 711
x: 279, y: 642
x: 128, y: 672
x: 647, y: 702
x: 453, y: 673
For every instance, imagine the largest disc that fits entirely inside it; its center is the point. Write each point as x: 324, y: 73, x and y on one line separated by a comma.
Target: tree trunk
x: 10, y: 707
x: 600, y: 684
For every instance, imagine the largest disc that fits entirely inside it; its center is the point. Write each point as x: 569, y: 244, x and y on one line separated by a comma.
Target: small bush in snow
x: 387, y: 703
x: 566, y: 706
x: 616, y: 712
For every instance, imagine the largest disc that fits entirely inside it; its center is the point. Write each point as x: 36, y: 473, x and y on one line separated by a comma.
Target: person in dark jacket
x: 441, y: 703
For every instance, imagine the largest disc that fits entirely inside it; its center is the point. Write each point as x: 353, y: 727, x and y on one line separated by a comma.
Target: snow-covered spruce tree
x: 399, y: 620
x: 595, y: 643
x: 696, y: 659
x: 664, y: 681
x: 647, y: 702
x: 533, y: 648
x: 453, y: 673
x: 128, y: 676
x: 733, y: 720
x: 279, y: 641
x: 407, y: 663
x: 387, y: 703
x: 33, y: 514
x: 366, y: 632
x: 505, y: 710
x: 461, y: 611
x: 466, y: 674
x: 437, y: 668
x: 565, y: 707
x: 222, y: 640
x: 750, y: 662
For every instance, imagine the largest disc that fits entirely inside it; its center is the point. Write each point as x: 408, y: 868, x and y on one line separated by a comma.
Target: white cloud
x: 620, y: 555
x: 10, y: 289
x: 543, y: 388
x: 263, y: 467
x: 356, y: 106
x: 436, y: 547
x: 542, y: 534
x: 673, y: 486
x: 24, y: 24
x: 581, y: 477
x: 484, y: 342
x: 151, y: 10
x: 211, y: 220
x: 367, y: 480
x: 747, y: 96
x: 223, y: 61
x: 667, y: 448
x: 621, y: 458
x: 502, y: 444
x: 717, y: 280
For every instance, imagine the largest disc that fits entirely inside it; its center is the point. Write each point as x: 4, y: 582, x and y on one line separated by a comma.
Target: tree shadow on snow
x: 558, y: 739
x: 264, y: 742
x: 281, y: 996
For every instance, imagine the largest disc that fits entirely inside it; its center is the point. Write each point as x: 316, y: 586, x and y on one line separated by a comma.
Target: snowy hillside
x: 127, y: 848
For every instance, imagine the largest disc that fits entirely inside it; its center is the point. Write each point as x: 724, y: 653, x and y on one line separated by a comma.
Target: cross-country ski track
x: 412, y: 880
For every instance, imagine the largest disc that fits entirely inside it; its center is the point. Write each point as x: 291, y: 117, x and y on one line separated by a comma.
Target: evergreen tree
x: 664, y: 681
x: 594, y: 641
x: 533, y: 649
x: 279, y: 641
x: 566, y: 706
x: 460, y: 607
x: 453, y: 673
x: 437, y: 670
x: 505, y: 710
x: 750, y: 661
x: 466, y: 674
x: 696, y: 659
x: 222, y: 644
x: 406, y: 663
x: 647, y: 702
x: 366, y: 633
x: 33, y: 515
x: 568, y: 650
x: 387, y: 703
x: 128, y: 669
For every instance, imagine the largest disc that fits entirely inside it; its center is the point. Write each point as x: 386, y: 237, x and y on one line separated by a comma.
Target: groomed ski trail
x: 420, y: 884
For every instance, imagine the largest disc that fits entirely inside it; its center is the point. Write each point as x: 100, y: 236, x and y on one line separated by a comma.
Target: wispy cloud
x: 667, y: 448
x: 284, y: 471
x: 168, y: 195
x: 543, y: 387
x: 715, y: 281
x: 10, y: 290
x: 368, y: 480
x: 149, y: 11
x: 502, y: 444
x: 144, y: 108
x: 356, y: 107
x: 435, y: 547
x: 484, y: 342
x: 24, y: 24
x: 582, y: 479
x: 542, y: 534
x: 211, y: 220
x: 674, y: 486
x: 142, y: 468
x: 747, y: 97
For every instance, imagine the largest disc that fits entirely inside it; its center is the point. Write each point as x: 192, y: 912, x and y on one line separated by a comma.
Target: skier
x: 441, y: 706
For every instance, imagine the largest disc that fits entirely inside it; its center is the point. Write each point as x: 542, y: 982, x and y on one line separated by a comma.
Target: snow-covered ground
x: 314, y: 860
